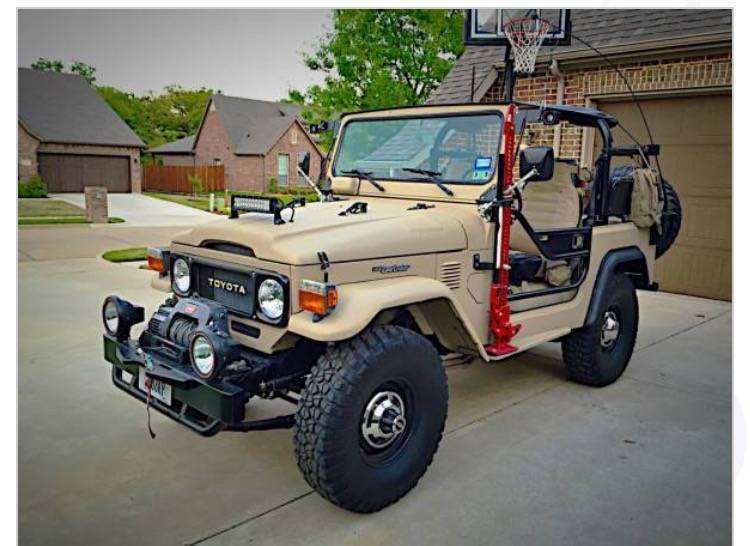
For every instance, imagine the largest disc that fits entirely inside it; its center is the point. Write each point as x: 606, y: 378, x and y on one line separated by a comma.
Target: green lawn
x: 201, y: 202
x: 47, y: 207
x: 136, y: 254
x: 52, y: 211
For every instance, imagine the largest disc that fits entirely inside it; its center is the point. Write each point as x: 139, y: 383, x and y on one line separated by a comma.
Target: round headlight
x: 271, y: 298
x: 110, y: 316
x: 202, y: 355
x: 181, y: 276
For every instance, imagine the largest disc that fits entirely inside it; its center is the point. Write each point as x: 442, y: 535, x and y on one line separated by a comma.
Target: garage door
x: 71, y: 173
x: 696, y: 138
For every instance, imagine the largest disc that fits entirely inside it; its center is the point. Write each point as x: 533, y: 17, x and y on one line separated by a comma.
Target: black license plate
x: 230, y: 288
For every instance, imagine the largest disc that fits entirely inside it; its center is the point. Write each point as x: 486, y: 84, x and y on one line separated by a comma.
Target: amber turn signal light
x: 156, y: 257
x: 318, y: 297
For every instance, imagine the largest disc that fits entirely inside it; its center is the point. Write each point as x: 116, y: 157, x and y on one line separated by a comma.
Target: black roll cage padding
x: 608, y: 267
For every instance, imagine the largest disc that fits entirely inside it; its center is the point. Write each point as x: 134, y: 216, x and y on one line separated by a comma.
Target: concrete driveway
x: 528, y: 458
x: 142, y: 211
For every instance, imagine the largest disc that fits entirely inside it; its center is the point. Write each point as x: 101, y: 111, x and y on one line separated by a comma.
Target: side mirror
x: 304, y: 163
x: 541, y: 158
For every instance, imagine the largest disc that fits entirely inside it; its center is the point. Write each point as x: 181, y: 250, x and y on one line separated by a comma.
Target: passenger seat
x: 547, y: 205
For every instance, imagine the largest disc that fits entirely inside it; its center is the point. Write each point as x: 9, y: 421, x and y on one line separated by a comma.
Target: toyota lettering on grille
x: 228, y: 286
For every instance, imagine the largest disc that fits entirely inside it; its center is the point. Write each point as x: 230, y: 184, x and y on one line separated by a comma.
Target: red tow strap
x: 500, y: 325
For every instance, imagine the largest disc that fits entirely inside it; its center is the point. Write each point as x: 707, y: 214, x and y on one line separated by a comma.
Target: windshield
x: 457, y: 149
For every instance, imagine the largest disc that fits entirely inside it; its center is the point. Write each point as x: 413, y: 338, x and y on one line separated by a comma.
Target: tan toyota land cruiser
x: 438, y: 233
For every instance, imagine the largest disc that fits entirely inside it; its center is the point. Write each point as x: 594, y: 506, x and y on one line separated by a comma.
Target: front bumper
x: 204, y: 407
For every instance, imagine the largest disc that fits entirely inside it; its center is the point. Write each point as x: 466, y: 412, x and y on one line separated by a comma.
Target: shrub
x: 273, y: 186
x: 32, y: 187
x: 196, y: 183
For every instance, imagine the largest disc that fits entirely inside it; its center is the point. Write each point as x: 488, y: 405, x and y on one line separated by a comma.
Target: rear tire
x: 371, y: 417
x: 597, y: 355
x: 671, y: 220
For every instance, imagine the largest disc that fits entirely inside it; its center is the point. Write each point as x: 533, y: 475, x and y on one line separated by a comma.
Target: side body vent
x: 450, y: 274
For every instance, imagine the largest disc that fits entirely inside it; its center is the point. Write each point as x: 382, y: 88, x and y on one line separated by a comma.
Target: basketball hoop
x: 525, y: 35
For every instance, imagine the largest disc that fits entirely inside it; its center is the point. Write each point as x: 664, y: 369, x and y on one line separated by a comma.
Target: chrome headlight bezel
x: 176, y: 262
x: 272, y: 309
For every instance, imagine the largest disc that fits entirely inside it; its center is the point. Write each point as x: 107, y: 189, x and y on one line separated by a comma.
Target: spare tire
x: 671, y: 220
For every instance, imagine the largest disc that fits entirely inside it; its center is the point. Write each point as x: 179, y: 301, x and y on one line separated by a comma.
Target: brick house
x: 679, y: 62
x: 70, y: 136
x: 255, y: 140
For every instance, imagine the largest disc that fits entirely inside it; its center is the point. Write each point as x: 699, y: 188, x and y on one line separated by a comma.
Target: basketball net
x: 525, y: 35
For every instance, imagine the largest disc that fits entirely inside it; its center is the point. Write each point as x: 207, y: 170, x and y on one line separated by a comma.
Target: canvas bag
x: 646, y: 202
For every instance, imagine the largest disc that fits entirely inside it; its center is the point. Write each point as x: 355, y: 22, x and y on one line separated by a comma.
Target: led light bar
x: 248, y: 203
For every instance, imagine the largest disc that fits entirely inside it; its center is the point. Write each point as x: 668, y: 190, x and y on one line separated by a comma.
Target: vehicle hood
x: 387, y: 229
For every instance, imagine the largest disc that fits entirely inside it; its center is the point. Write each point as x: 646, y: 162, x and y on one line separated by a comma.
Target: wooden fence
x: 172, y: 178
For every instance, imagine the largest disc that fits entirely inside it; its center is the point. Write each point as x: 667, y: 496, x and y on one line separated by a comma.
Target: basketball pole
x: 509, y: 81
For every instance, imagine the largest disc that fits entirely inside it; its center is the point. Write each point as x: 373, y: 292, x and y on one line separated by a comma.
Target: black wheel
x: 671, y: 220
x: 371, y: 417
x: 598, y: 354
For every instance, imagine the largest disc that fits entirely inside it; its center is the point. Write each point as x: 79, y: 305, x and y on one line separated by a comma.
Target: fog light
x: 202, y: 356
x: 119, y: 316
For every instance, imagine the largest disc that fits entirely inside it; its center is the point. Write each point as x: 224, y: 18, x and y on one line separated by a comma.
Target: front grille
x: 232, y: 289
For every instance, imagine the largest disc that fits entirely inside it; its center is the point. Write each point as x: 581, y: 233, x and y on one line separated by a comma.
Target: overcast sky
x: 247, y: 53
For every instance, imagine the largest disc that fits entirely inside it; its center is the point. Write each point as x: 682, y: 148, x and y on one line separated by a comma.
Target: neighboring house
x: 255, y: 140
x: 679, y: 62
x: 70, y: 136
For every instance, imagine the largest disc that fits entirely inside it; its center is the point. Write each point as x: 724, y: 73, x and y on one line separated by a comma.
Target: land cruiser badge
x: 398, y: 268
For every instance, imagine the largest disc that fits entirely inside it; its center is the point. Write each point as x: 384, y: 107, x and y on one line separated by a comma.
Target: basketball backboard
x: 484, y: 26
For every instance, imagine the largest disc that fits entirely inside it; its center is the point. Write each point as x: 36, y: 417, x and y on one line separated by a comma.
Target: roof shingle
x: 64, y: 108
x: 254, y: 126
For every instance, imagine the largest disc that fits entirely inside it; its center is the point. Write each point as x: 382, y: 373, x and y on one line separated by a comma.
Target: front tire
x: 597, y: 355
x: 371, y: 417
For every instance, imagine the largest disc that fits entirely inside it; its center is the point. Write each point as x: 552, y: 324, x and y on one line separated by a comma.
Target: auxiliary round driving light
x: 110, y: 316
x: 211, y: 351
x: 203, y: 356
x: 119, y: 316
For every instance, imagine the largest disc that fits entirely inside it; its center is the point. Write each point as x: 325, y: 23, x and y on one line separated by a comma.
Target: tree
x: 84, y: 70
x: 380, y: 58
x: 158, y: 118
x: 46, y: 64
x: 76, y: 67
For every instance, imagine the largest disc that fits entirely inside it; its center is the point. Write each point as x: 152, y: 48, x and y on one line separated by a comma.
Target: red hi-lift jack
x: 500, y: 325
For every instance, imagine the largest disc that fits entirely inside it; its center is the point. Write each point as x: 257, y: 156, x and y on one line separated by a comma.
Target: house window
x: 294, y: 136
x: 283, y: 170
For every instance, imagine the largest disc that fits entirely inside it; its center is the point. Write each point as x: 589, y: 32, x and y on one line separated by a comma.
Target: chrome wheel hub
x: 610, y: 329
x: 384, y: 419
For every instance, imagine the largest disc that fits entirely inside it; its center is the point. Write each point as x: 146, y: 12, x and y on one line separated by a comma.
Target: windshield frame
x: 415, y: 180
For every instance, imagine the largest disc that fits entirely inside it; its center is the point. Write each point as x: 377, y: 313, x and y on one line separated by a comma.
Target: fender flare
x: 630, y: 260
x: 360, y: 303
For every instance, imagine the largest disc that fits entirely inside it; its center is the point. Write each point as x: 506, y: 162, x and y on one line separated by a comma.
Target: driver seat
x: 552, y: 204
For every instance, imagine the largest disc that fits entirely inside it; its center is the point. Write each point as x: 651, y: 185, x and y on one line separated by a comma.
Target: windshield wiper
x: 432, y: 176
x: 363, y: 175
